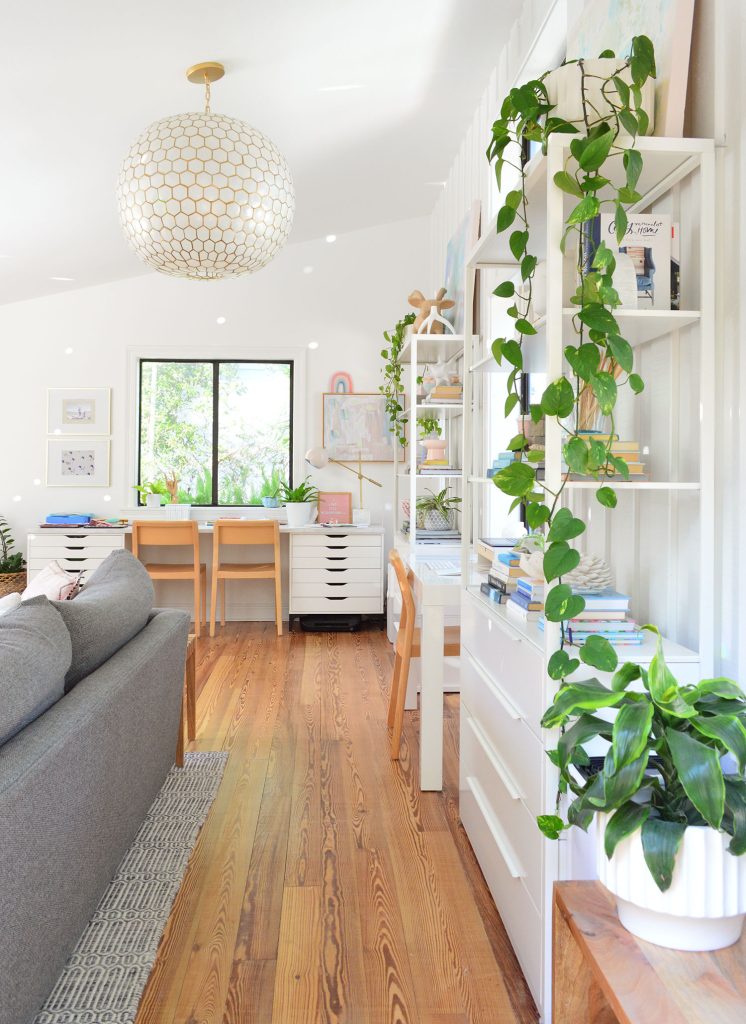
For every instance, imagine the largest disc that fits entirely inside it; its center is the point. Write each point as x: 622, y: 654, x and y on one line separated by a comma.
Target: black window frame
x: 216, y: 364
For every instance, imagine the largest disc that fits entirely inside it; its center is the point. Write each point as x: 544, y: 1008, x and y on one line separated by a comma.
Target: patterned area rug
x: 104, y: 978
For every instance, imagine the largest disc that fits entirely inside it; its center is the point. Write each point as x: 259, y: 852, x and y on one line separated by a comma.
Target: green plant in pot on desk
x: 299, y: 502
x: 437, y: 511
x: 12, y: 563
x: 154, y: 492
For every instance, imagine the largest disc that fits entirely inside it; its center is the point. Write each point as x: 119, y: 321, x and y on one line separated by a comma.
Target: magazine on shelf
x: 643, y: 273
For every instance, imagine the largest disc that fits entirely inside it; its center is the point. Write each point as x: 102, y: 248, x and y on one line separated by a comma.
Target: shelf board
x: 639, y: 326
x: 433, y: 347
x: 429, y: 476
x: 633, y: 485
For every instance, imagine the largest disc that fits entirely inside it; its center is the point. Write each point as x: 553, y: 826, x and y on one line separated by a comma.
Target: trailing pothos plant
x: 663, y: 770
x: 393, y: 386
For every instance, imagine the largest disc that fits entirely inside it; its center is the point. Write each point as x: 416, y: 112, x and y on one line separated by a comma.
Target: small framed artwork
x: 356, y: 425
x: 335, y: 507
x: 79, y: 411
x: 78, y: 463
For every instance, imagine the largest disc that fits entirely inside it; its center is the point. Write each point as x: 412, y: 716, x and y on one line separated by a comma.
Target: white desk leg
x: 431, y: 712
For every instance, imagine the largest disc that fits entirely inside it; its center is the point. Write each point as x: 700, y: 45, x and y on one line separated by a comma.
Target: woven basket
x: 12, y: 583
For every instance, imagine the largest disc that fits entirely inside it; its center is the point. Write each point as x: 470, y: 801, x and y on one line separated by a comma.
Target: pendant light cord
x: 207, y: 94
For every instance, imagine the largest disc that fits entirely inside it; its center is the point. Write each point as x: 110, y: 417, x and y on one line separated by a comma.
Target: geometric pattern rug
x: 104, y: 978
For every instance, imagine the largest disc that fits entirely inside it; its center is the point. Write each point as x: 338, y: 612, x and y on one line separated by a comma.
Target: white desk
x: 434, y: 594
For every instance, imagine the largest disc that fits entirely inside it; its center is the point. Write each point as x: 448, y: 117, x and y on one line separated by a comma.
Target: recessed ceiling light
x: 308, y: 270
x: 220, y: 320
x: 331, y: 238
x: 16, y: 497
x: 341, y: 88
x: 68, y: 351
x: 313, y: 344
x: 37, y: 482
x: 107, y: 497
x: 61, y: 278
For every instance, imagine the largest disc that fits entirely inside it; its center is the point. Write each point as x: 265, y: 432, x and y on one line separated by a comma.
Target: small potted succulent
x: 154, y: 492
x: 299, y: 502
x: 12, y: 563
x: 272, y: 500
x: 436, y: 511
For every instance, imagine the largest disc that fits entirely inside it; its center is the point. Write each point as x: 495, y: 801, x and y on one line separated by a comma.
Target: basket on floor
x: 12, y: 583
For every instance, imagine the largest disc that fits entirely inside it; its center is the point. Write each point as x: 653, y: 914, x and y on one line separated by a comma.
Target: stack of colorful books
x: 527, y: 600
x: 606, y: 614
x: 502, y: 578
x: 445, y: 394
x: 627, y: 450
x: 436, y: 467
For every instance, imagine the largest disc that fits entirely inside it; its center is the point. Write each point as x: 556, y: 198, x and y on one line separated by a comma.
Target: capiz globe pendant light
x: 203, y: 195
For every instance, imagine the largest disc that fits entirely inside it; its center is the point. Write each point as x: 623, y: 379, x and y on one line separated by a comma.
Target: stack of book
x: 445, y: 394
x: 436, y: 467
x: 503, y: 460
x: 502, y: 578
x: 606, y: 614
x: 627, y: 450
x: 527, y: 601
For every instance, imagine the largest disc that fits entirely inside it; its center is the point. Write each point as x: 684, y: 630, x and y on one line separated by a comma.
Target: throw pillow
x: 112, y: 607
x: 35, y: 654
x: 53, y: 582
x: 9, y: 603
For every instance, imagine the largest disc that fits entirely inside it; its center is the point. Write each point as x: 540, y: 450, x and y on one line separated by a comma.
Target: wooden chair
x: 407, y: 646
x: 258, y: 531
x: 182, y: 533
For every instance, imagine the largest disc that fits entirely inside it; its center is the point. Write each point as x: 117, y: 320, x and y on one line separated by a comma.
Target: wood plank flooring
x: 325, y: 888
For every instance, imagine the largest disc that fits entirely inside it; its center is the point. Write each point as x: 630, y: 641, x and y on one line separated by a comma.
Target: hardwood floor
x: 325, y: 887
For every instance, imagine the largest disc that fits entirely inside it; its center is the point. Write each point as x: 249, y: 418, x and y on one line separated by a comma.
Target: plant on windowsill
x: 393, y: 388
x: 436, y: 511
x: 12, y: 563
x: 663, y: 797
x: 154, y: 493
x: 299, y: 502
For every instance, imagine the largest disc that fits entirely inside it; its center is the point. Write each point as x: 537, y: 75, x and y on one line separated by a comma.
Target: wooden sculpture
x: 428, y: 307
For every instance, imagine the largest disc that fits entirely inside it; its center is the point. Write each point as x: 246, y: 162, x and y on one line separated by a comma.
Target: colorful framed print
x: 335, y: 507
x: 78, y: 463
x: 356, y: 426
x: 79, y: 411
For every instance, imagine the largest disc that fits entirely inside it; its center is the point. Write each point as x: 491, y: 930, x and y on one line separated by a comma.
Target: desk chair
x: 182, y: 533
x: 407, y: 646
x: 258, y: 531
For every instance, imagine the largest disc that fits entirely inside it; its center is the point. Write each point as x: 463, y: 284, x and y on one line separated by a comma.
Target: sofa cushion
x: 53, y: 582
x: 35, y: 654
x: 107, y: 613
x: 9, y: 603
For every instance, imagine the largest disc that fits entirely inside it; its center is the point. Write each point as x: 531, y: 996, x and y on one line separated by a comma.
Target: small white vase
x: 704, y: 906
x: 564, y: 87
x: 299, y: 513
x: 153, y: 500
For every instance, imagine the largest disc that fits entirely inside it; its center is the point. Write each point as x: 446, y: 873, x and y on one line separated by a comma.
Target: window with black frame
x: 222, y: 428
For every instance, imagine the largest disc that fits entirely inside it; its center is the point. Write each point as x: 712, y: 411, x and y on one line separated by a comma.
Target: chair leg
x: 214, y: 599
x: 222, y: 602
x: 401, y: 696
x: 278, y: 604
x: 197, y: 617
x: 394, y: 690
x: 191, y: 695
x: 203, y: 588
x: 180, y: 738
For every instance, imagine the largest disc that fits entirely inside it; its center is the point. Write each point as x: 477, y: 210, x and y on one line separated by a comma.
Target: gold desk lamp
x: 319, y: 458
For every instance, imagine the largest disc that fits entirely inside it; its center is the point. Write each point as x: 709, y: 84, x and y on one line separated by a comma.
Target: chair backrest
x: 404, y: 578
x: 256, y: 531
x: 183, y: 533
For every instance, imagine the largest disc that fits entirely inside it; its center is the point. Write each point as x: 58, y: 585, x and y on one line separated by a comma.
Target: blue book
x: 604, y: 600
x: 508, y: 558
x: 524, y: 600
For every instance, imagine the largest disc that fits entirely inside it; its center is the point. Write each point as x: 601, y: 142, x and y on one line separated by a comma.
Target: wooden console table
x: 604, y: 975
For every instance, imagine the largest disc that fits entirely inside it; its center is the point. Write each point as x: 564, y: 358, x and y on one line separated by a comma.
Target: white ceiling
x: 82, y: 78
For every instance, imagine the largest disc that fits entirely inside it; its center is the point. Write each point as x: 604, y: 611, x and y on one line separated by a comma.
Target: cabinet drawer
x: 56, y: 539
x: 500, y: 719
x: 336, y: 589
x: 338, y: 561
x: 336, y: 605
x: 522, y: 920
x: 68, y: 551
x: 35, y: 565
x: 335, y: 574
x: 353, y: 540
x: 518, y: 838
x: 514, y: 663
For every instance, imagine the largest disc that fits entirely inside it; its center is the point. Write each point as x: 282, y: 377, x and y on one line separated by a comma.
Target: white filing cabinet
x: 336, y: 571
x: 73, y: 547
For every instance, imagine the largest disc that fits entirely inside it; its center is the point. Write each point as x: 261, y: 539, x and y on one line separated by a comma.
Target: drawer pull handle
x: 336, y: 558
x: 495, y: 690
x: 74, y: 547
x: 489, y: 750
x: 329, y: 569
x: 340, y: 584
x: 336, y: 598
x: 512, y: 863
x: 69, y: 559
x: 337, y: 536
x: 336, y: 547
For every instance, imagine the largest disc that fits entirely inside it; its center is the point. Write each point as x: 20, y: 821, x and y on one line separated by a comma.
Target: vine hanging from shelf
x: 602, y: 170
x: 393, y: 388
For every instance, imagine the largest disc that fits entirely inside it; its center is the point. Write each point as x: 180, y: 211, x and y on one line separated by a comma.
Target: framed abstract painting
x: 73, y: 462
x: 356, y: 426
x: 79, y: 411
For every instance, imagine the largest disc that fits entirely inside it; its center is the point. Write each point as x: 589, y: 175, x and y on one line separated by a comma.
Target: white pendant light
x: 203, y: 195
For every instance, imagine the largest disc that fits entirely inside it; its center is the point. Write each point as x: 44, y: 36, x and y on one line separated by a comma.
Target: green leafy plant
x: 303, y: 492
x: 153, y: 487
x: 10, y: 560
x: 686, y: 729
x: 427, y: 426
x: 393, y: 387
x: 440, y: 502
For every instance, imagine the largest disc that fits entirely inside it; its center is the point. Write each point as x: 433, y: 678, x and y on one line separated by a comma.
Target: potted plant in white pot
x: 154, y: 492
x: 430, y: 436
x: 299, y: 502
x: 437, y: 511
x: 669, y: 801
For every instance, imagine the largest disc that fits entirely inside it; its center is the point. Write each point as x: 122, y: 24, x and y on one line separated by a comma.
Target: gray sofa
x: 85, y: 760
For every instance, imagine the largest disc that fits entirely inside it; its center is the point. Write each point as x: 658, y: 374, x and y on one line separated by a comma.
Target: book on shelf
x: 487, y: 547
x: 602, y: 625
x: 519, y: 612
x: 507, y: 558
x: 526, y: 602
x: 607, y: 600
x: 493, y: 593
x: 619, y: 446
x: 507, y: 585
x: 642, y: 277
x: 622, y: 638
x: 533, y: 589
x: 590, y: 616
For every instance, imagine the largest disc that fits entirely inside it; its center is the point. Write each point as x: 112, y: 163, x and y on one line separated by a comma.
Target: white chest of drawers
x: 336, y: 571
x: 74, y: 548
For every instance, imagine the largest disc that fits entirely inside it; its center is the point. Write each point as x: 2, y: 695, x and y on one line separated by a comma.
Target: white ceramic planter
x: 153, y: 500
x: 564, y: 86
x: 299, y: 513
x: 705, y: 905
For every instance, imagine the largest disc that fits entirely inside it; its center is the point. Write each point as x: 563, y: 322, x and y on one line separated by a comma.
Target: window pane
x: 176, y: 427
x: 253, y: 431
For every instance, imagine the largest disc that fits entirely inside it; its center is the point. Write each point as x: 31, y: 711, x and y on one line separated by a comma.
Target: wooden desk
x: 604, y: 975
